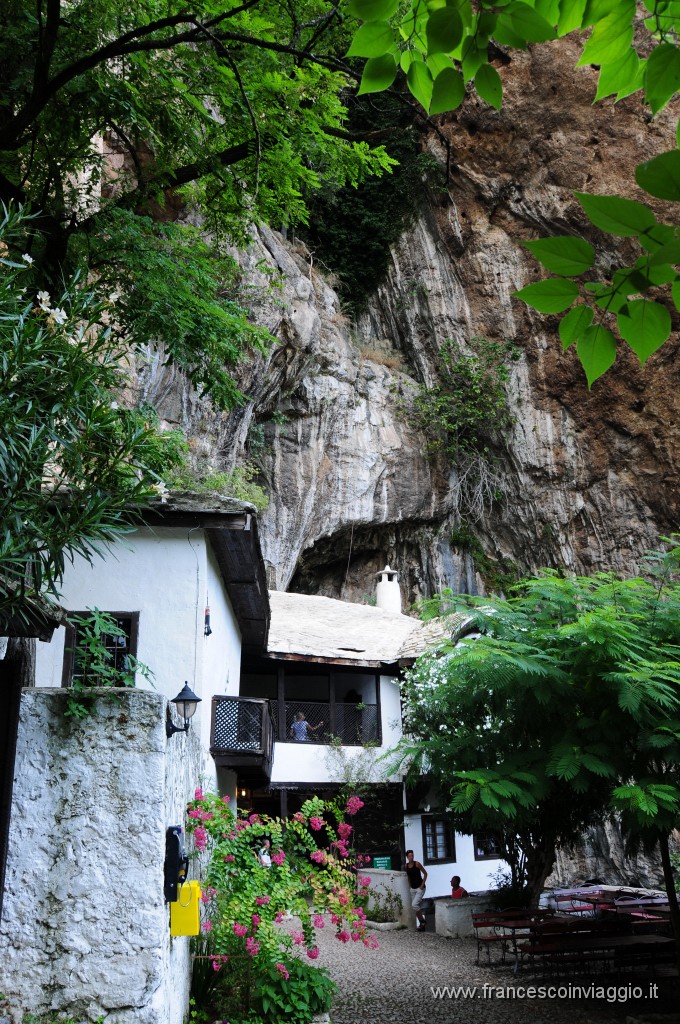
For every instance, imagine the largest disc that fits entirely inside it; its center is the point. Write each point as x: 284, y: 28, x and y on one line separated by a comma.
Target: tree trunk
x: 540, y: 861
x: 669, y: 882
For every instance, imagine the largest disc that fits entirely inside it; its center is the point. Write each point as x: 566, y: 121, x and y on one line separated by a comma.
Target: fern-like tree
x: 564, y: 710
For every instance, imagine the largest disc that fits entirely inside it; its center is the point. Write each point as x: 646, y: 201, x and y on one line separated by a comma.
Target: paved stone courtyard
x: 392, y: 985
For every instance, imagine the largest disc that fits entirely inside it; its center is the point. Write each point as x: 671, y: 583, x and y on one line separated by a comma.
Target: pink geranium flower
x: 299, y: 816
x: 216, y: 964
x: 252, y: 947
x: 318, y: 921
x: 344, y: 830
x: 354, y: 804
x: 230, y: 858
x: 313, y: 953
x: 279, y: 917
x: 297, y: 937
x: 207, y: 926
x: 282, y: 970
x: 200, y: 838
x: 278, y: 857
x: 240, y: 929
x: 262, y: 901
x: 316, y: 823
x: 198, y: 793
x: 343, y: 936
x: 319, y: 856
x: 256, y: 920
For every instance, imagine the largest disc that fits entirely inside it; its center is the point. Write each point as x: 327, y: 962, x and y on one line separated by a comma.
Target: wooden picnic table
x: 569, y: 947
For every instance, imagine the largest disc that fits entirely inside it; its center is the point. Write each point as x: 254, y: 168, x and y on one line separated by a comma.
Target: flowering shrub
x: 247, y: 965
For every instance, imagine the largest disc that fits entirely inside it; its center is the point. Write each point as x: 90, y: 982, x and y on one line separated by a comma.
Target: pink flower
x: 230, y: 858
x: 252, y: 947
x: 205, y: 815
x: 343, y: 936
x: 278, y: 857
x: 297, y: 937
x: 279, y: 917
x: 354, y: 804
x: 365, y: 881
x: 226, y: 799
x: 319, y: 921
x: 343, y: 899
x: 254, y: 818
x: 299, y: 816
x: 262, y: 901
x: 371, y: 942
x: 216, y: 964
x: 207, y: 926
x: 336, y: 919
x: 282, y: 970
x: 319, y: 856
x: 198, y: 793
x: 240, y: 929
x: 344, y: 830
x: 200, y: 838
x: 313, y: 953
x: 256, y: 920
x: 356, y: 936
x: 195, y: 814
x: 316, y: 823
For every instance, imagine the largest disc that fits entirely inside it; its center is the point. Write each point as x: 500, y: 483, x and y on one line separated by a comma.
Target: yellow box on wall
x: 185, y: 913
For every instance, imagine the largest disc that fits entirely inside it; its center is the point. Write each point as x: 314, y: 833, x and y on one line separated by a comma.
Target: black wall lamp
x: 187, y: 702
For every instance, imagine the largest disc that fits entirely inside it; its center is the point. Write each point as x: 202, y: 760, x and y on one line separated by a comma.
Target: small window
x: 439, y: 845
x: 487, y: 846
x: 119, y: 647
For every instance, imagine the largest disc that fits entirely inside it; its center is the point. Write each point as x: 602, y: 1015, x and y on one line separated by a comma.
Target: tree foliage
x: 566, y: 708
x: 118, y: 117
x: 74, y: 461
x: 446, y: 48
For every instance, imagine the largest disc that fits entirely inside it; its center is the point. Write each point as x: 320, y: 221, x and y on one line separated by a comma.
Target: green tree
x: 446, y: 48
x: 74, y: 461
x: 116, y: 118
x: 566, y: 708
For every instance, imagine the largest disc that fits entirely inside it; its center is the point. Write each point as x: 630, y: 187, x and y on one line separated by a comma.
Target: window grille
x: 118, y: 648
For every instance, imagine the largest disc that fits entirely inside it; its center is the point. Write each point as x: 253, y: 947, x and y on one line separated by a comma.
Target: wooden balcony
x: 242, y: 738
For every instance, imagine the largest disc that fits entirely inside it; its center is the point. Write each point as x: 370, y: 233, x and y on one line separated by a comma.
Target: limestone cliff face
x: 587, y: 479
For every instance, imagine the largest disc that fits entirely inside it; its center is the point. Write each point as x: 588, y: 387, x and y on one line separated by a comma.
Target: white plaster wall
x: 165, y: 575
x: 474, y: 874
x: 85, y: 928
x: 306, y: 762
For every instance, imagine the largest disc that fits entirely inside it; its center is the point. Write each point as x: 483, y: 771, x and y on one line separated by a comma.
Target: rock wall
x: 92, y: 800
x: 586, y: 479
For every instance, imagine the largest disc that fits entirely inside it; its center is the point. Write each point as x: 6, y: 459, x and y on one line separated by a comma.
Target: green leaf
x: 528, y: 24
x: 448, y: 91
x: 553, y: 295
x: 373, y: 39
x: 623, y: 217
x: 506, y: 36
x: 675, y: 294
x: 573, y: 325
x: 419, y: 79
x: 596, y: 349
x: 444, y: 30
x: 666, y: 254
x: 548, y: 9
x: 563, y: 254
x: 660, y: 176
x: 488, y: 85
x: 378, y: 74
x: 645, y: 326
x: 596, y: 10
x: 657, y: 237
x: 372, y: 10
x: 438, y: 62
x: 611, y: 38
x: 472, y: 57
x: 406, y: 60
x: 621, y: 77
x: 662, y: 75
x: 571, y: 16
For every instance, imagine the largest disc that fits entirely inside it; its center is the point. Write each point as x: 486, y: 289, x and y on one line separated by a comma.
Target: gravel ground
x: 392, y: 985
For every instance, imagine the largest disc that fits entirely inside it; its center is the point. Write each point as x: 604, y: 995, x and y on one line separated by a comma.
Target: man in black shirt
x: 417, y: 876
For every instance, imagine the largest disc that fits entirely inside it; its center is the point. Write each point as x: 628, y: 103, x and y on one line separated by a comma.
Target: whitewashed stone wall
x: 85, y: 929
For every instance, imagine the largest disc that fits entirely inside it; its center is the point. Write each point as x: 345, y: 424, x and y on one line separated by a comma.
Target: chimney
x: 387, y: 593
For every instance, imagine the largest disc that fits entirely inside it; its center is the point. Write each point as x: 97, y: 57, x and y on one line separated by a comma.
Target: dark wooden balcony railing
x: 242, y: 738
x: 351, y: 724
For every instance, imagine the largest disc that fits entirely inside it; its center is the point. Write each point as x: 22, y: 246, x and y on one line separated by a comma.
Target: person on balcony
x: 301, y: 727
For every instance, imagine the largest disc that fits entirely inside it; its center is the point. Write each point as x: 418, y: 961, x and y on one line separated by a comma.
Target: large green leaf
x: 611, y: 38
x: 373, y: 39
x: 444, y: 30
x: 596, y: 349
x: 662, y: 75
x: 553, y: 295
x: 563, y: 254
x: 660, y: 176
x: 472, y: 57
x: 448, y: 91
x: 488, y: 85
x: 378, y: 74
x: 528, y: 24
x: 645, y: 326
x: 617, y: 216
x: 571, y: 16
x: 419, y: 79
x: 574, y: 323
x: 372, y: 10
x: 621, y: 77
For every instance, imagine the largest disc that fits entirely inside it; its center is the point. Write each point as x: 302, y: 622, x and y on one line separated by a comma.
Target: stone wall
x: 85, y: 929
